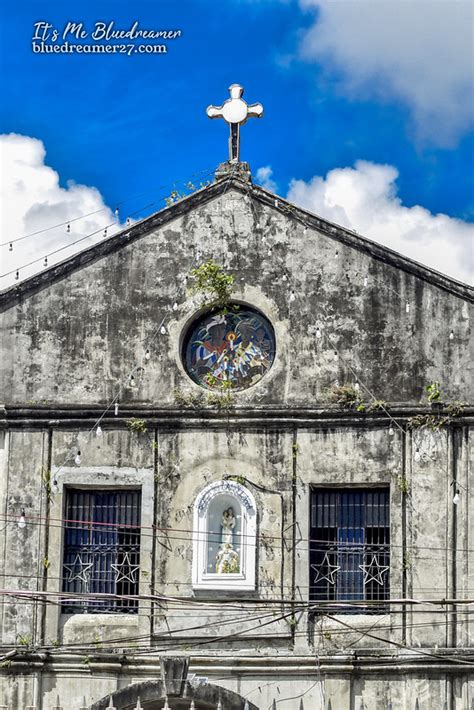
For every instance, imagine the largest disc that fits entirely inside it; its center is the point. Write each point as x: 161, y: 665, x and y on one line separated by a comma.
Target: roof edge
x: 93, y: 253
x: 59, y: 271
x: 355, y: 240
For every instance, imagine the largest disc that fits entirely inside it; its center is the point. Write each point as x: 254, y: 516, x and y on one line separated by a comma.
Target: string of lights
x: 203, y: 174
x: 45, y: 257
x: 104, y: 229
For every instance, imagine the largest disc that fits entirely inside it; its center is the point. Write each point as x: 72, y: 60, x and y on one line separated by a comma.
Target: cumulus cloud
x: 32, y: 200
x: 264, y: 178
x: 364, y: 198
x: 416, y: 51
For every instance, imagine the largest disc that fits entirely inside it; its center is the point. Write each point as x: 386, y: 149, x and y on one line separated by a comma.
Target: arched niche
x: 224, y: 537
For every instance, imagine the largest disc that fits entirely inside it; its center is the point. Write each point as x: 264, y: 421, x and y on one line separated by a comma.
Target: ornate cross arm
x: 235, y: 111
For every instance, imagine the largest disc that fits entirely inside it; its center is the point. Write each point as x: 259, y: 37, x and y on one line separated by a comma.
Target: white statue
x: 228, y: 525
x: 227, y: 559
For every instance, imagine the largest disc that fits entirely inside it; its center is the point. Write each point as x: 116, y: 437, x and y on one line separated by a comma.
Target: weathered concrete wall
x: 69, y: 347
x: 76, y: 339
x: 292, y: 683
x: 421, y: 533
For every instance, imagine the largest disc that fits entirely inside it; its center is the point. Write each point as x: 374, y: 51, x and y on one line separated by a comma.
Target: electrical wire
x: 187, y: 534
x: 202, y: 173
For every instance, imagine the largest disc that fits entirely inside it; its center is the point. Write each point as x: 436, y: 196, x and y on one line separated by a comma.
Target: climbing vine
x: 434, y: 393
x: 212, y: 282
x: 176, y: 195
x: 348, y: 397
x: 221, y: 397
x: 137, y: 426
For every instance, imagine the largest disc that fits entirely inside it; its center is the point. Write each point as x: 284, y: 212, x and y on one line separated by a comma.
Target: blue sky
x: 129, y: 124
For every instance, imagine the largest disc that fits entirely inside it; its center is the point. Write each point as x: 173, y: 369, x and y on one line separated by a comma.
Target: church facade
x: 236, y: 444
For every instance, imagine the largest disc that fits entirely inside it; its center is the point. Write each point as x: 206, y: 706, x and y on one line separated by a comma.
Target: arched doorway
x: 153, y: 696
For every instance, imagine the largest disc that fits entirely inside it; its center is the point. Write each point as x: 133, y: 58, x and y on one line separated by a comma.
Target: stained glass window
x: 232, y: 349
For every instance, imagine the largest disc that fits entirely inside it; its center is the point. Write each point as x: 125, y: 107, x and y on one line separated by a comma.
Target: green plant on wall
x: 46, y: 482
x: 222, y: 399
x: 403, y: 484
x: 241, y: 480
x: 187, y: 399
x: 212, y: 282
x: 24, y: 641
x: 428, y: 421
x: 348, y: 397
x: 176, y: 195
x: 137, y: 426
x: 434, y: 392
x: 451, y: 410
x: 455, y: 409
x: 377, y: 405
x: 173, y: 197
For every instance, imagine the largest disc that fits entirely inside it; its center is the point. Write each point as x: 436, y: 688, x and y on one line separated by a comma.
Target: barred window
x: 350, y: 548
x: 101, y: 550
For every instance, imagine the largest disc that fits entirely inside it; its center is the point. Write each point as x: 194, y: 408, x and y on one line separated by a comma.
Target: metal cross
x: 235, y: 111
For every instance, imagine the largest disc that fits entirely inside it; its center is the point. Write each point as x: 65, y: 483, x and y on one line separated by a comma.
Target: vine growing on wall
x: 136, y: 425
x: 221, y: 397
x: 47, y: 482
x: 176, y: 195
x: 434, y: 392
x: 440, y: 419
x: 348, y: 397
x: 213, y: 282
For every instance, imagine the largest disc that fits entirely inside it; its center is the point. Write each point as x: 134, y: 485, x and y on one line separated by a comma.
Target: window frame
x: 99, y: 537
x: 60, y: 625
x: 364, y: 550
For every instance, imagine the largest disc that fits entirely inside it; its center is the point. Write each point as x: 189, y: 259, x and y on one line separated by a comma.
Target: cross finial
x: 235, y: 111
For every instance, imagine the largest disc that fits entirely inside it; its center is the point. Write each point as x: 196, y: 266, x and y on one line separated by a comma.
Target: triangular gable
x: 127, y: 236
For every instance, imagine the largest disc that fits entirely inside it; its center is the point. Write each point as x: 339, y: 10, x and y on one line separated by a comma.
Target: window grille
x: 350, y: 548
x: 101, y: 549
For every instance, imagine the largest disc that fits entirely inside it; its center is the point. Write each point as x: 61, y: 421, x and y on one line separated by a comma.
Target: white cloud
x: 364, y: 198
x: 264, y: 178
x: 31, y: 200
x: 416, y: 51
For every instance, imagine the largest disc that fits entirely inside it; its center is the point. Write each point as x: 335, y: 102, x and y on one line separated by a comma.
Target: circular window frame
x: 207, y: 311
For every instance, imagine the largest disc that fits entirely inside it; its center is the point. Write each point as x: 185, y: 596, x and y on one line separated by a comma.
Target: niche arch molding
x: 215, y: 566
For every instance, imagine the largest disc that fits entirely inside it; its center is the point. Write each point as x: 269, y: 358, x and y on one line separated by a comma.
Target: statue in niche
x: 227, y: 558
x: 228, y: 525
